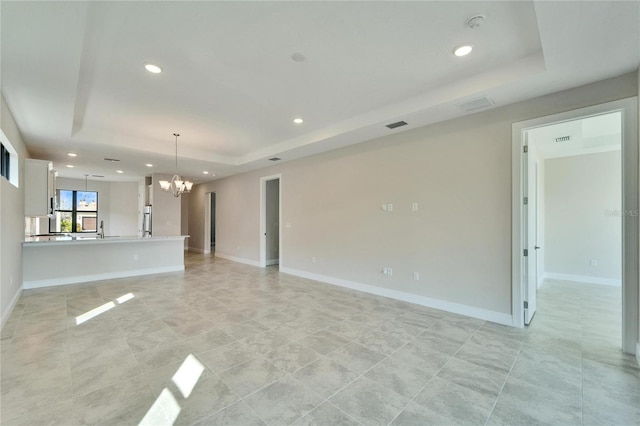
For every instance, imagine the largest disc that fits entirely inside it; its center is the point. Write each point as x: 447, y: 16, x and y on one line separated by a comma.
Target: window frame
x: 74, y: 212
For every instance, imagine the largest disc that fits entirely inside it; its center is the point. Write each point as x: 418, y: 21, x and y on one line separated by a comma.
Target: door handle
x: 537, y: 248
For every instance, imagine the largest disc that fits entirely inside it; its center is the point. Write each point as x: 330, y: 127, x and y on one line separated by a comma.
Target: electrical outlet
x: 384, y: 207
x: 414, y: 207
x: 389, y: 207
x: 389, y: 271
x: 135, y: 257
x: 416, y: 276
x: 593, y: 262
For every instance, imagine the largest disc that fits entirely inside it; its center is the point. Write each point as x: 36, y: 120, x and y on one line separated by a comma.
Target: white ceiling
x: 73, y: 76
x: 590, y: 135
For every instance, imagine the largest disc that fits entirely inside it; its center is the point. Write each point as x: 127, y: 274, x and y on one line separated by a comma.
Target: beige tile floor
x: 226, y: 343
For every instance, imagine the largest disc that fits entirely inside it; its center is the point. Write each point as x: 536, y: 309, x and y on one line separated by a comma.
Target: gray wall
x: 583, y: 221
x: 12, y: 222
x: 459, y: 172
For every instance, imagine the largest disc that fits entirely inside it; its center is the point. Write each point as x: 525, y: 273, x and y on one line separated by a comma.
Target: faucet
x: 101, y: 231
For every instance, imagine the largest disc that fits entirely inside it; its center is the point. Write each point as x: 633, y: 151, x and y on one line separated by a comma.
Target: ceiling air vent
x: 275, y: 159
x: 98, y: 176
x: 113, y: 160
x: 475, y: 104
x: 397, y: 124
x: 563, y: 139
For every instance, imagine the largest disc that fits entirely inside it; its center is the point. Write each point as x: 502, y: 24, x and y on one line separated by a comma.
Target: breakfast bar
x: 59, y: 260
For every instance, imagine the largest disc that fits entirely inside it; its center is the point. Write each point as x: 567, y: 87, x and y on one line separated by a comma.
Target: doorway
x: 270, y: 213
x: 212, y: 233
x: 526, y: 258
x: 209, y: 223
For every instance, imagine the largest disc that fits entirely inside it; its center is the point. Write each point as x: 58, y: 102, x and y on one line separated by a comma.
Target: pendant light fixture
x: 177, y: 185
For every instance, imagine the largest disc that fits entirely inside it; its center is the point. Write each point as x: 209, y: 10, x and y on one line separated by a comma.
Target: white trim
x: 583, y: 279
x: 630, y: 226
x: 471, y: 311
x: 263, y: 217
x: 238, y: 259
x: 271, y: 262
x: 638, y: 352
x: 99, y: 277
x: 12, y: 305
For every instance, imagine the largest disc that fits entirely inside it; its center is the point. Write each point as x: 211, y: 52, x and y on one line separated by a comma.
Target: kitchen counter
x: 82, y: 239
x: 59, y: 260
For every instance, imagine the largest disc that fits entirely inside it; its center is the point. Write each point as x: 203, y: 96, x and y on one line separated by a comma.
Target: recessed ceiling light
x: 205, y: 172
x: 153, y: 68
x: 463, y: 50
x: 119, y: 171
x: 72, y: 154
x: 71, y: 166
x: 149, y: 165
x: 298, y: 120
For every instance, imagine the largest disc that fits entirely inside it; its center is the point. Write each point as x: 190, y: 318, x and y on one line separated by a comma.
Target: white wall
x: 459, y: 172
x: 117, y: 203
x: 184, y: 218
x: 638, y: 292
x: 166, y: 209
x: 583, y: 221
x: 123, y: 212
x: 12, y: 222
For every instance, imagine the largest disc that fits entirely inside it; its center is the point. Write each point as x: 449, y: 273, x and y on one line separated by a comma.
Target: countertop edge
x: 107, y: 240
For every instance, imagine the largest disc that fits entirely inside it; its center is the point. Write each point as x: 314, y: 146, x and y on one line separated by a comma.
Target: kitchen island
x: 59, y: 260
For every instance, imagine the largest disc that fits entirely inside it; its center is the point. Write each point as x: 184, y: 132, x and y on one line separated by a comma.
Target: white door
x: 530, y: 234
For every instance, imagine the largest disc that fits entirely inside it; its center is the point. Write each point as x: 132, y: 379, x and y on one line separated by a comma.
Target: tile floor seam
x: 344, y: 412
x: 433, y: 375
x: 495, y: 402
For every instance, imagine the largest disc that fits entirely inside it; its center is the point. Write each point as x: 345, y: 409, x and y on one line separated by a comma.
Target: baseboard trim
x: 583, y: 279
x: 99, y: 277
x: 238, y: 259
x: 199, y: 250
x: 456, y: 308
x: 273, y: 262
x: 638, y: 352
x: 12, y: 305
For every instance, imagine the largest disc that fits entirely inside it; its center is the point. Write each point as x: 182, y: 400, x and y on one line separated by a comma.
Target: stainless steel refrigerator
x: 146, y: 221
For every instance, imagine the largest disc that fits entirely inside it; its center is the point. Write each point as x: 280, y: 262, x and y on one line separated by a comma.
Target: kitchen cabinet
x: 40, y: 187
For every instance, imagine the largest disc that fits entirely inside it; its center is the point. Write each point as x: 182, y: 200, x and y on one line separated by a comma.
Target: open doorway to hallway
x: 270, y: 229
x: 583, y: 229
x: 574, y: 176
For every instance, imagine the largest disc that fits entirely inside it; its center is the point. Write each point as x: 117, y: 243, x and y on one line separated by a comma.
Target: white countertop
x: 92, y: 239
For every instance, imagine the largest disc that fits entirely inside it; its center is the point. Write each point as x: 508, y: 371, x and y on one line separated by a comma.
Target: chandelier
x: 177, y: 185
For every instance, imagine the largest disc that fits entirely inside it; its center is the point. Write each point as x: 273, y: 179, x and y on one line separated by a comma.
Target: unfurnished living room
x: 319, y: 213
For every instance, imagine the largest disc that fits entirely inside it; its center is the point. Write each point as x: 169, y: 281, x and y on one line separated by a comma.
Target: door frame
x: 263, y: 218
x: 630, y: 231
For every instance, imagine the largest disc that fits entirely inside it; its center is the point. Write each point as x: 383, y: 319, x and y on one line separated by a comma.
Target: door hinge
x: 526, y: 305
x: 526, y: 148
x: 526, y: 252
x: 526, y: 200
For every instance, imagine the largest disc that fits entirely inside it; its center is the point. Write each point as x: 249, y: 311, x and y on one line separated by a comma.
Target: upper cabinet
x: 40, y: 187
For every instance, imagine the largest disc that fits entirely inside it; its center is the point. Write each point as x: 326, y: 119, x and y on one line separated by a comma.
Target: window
x: 8, y: 160
x: 5, y: 160
x: 77, y: 212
